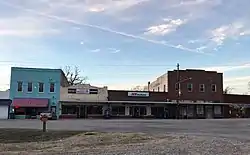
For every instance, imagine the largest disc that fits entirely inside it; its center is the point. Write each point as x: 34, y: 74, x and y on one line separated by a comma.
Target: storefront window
x: 94, y: 110
x: 143, y: 111
x: 190, y: 110
x: 20, y: 111
x: 68, y: 109
x: 118, y: 110
x: 217, y: 110
x: 200, y: 109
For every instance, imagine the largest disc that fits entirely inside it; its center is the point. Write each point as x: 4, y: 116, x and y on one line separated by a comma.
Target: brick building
x: 196, y: 85
x: 200, y: 93
x: 140, y: 104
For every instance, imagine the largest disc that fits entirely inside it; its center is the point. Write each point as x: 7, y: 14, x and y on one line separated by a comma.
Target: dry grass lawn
x: 21, y: 141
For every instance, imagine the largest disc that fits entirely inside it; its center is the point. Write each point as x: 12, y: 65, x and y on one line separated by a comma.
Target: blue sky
x: 125, y: 43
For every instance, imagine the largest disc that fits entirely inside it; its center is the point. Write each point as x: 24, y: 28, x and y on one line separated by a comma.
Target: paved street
x: 231, y: 128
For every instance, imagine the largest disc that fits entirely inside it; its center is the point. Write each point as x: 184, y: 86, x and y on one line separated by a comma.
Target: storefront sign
x: 139, y: 94
x: 82, y: 91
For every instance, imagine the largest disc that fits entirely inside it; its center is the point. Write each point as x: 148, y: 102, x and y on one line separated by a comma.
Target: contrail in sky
x: 102, y: 28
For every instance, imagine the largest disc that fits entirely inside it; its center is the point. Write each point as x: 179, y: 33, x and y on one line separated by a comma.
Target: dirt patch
x: 27, y: 135
x: 34, y: 141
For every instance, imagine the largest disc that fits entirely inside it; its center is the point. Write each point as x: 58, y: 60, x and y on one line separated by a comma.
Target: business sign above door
x: 138, y: 94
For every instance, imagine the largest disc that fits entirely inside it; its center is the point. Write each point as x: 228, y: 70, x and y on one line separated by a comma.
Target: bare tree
x: 228, y: 90
x: 73, y: 75
x: 138, y: 88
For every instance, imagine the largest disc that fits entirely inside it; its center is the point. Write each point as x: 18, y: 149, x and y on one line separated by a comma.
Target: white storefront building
x: 82, y: 101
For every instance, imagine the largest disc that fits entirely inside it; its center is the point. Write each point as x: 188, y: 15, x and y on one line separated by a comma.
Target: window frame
x: 202, y: 87
x: 28, y: 90
x: 215, y: 88
x: 191, y: 87
x: 20, y: 82
x: 52, y: 83
x: 39, y: 87
x: 200, y: 110
x: 177, y: 86
x: 72, y: 90
x: 217, y: 110
x: 93, y: 91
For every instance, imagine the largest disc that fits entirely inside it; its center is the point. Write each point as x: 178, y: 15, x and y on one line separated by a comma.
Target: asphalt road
x: 231, y: 128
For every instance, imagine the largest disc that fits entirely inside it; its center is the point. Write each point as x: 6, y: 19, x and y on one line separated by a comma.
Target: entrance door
x: 53, y: 111
x: 83, y: 111
x: 4, y: 112
x: 209, y: 111
x: 136, y: 112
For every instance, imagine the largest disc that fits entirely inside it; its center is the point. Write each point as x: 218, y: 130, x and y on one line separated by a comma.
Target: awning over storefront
x: 139, y: 102
x: 30, y: 102
x: 5, y: 102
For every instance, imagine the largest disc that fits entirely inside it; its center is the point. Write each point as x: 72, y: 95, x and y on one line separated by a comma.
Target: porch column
x: 148, y: 109
x: 79, y: 112
x: 127, y: 109
x: 104, y: 108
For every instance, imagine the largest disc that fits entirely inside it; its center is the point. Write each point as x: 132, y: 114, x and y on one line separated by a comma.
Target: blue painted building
x: 35, y: 90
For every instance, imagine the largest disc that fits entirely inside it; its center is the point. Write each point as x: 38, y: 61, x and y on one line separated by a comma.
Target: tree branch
x: 73, y: 76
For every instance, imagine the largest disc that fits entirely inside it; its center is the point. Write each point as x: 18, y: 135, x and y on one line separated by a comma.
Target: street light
x: 179, y: 93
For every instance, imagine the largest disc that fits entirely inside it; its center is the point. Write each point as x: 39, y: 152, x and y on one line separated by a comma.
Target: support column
x: 79, y: 111
x: 127, y: 109
x: 148, y: 109
x: 104, y: 108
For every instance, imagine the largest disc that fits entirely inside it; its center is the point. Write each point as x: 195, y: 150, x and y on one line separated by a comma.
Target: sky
x: 125, y: 43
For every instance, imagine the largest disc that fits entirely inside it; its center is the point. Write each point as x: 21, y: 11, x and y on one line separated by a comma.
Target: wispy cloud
x: 113, y: 50
x: 96, y: 50
x: 100, y: 28
x: 190, y: 3
x: 168, y: 26
x: 112, y: 6
x: 201, y: 48
x: 25, y: 27
x: 227, y: 67
x: 94, y: 6
x: 234, y: 30
x: 193, y: 41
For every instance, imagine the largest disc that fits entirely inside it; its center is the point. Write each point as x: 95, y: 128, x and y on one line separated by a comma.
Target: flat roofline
x: 147, y: 102
x: 143, y: 91
x: 35, y: 69
x: 197, y: 70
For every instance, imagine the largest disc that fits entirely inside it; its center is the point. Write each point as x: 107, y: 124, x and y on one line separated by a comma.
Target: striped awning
x: 30, y: 102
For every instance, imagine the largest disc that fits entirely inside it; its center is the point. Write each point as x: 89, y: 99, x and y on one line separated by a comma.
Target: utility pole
x: 179, y: 91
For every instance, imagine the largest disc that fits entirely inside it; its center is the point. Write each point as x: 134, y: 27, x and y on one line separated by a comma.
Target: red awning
x: 30, y: 102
